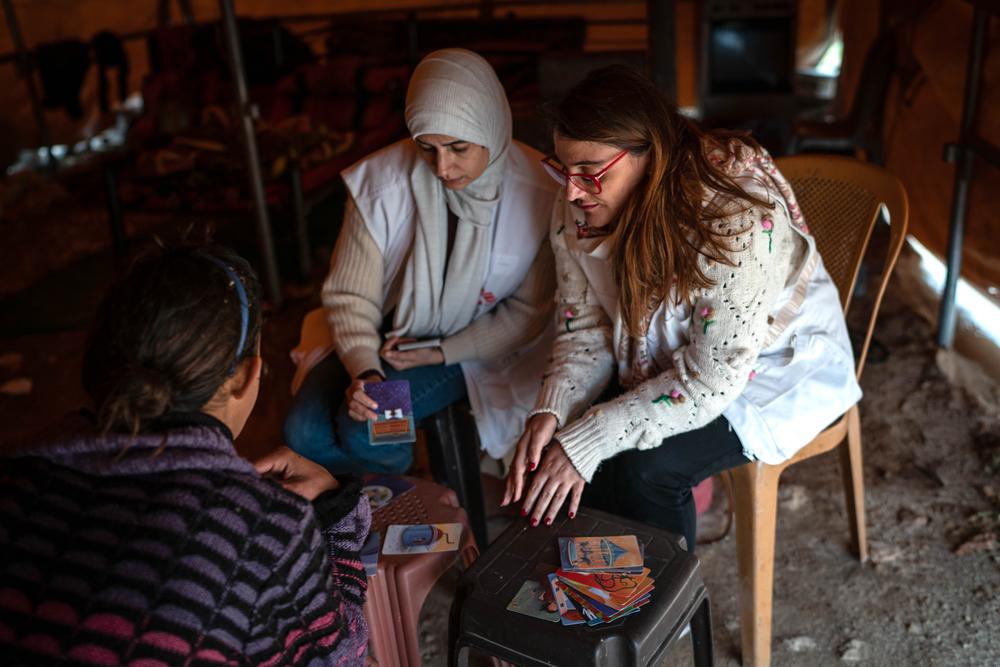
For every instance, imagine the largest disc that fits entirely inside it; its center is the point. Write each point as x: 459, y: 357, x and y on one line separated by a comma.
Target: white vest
x: 804, y: 377
x: 501, y: 392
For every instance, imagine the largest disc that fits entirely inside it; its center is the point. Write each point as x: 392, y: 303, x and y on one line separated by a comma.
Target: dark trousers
x: 654, y: 485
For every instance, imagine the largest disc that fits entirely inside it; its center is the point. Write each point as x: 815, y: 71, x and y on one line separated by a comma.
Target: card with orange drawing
x: 614, y: 589
x: 595, y: 612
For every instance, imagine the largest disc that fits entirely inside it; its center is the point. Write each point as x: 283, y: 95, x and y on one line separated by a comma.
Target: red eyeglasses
x: 587, y: 182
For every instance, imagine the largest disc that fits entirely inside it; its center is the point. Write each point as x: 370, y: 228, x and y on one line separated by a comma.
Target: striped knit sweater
x: 136, y: 553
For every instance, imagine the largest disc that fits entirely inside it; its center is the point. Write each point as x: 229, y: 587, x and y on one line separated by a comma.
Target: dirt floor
x: 930, y: 594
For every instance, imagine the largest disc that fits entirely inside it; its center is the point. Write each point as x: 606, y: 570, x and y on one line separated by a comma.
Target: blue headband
x: 244, y: 304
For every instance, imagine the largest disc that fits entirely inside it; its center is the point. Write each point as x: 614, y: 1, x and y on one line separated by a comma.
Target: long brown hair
x: 661, y: 231
x: 166, y: 337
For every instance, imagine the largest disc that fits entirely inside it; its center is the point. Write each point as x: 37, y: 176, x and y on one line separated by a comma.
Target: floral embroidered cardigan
x: 673, y: 382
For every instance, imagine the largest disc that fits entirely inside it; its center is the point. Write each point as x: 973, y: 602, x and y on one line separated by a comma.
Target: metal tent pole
x: 964, y: 155
x: 269, y: 264
x: 25, y: 70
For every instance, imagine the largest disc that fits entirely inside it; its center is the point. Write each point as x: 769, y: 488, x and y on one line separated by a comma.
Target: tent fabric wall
x: 920, y: 119
x: 44, y: 21
x: 923, y: 113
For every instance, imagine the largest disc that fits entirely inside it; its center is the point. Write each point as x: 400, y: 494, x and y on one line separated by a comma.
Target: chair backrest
x: 841, y: 198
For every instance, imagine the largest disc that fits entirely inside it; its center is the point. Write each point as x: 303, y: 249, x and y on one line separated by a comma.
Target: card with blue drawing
x: 421, y: 538
x: 395, y: 413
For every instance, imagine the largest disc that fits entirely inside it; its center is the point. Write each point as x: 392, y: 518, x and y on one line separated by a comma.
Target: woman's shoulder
x: 383, y: 171
x: 744, y: 166
x: 732, y: 156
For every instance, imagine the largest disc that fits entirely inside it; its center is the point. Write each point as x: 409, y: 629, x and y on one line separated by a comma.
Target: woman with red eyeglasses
x: 691, y: 296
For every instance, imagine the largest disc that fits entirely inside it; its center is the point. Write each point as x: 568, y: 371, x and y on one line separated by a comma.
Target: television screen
x: 750, y: 56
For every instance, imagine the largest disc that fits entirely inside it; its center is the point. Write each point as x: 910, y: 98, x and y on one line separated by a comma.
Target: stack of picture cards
x: 601, y: 579
x: 395, y: 413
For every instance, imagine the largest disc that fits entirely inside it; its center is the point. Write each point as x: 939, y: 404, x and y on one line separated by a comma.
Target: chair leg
x: 701, y: 635
x: 455, y: 462
x: 756, y: 510
x: 854, y: 484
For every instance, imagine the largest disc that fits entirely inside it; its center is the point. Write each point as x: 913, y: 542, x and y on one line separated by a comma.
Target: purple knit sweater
x: 123, y: 553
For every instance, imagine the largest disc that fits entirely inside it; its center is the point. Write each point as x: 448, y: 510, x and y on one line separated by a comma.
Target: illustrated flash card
x: 595, y: 553
x: 395, y: 413
x: 535, y: 599
x: 383, y: 489
x: 422, y: 538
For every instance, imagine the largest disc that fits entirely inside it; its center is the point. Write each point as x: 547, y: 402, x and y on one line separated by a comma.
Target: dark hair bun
x: 141, y: 395
x: 167, y: 336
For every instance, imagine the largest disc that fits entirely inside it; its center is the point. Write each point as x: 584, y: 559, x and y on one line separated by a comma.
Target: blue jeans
x: 319, y: 428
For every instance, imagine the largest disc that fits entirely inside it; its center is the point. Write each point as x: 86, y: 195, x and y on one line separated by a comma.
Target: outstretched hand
x: 296, y: 473
x: 556, y: 480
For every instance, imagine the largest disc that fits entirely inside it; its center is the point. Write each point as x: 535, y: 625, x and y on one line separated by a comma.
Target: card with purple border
x: 395, y: 413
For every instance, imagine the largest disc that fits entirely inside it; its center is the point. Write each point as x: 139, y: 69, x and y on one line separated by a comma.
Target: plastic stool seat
x: 480, y: 619
x: 398, y: 590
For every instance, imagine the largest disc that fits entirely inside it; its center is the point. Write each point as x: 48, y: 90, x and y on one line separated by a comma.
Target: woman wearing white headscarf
x: 444, y: 236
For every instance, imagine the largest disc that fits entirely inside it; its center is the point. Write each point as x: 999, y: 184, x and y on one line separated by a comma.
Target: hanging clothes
x: 62, y: 67
x: 109, y: 52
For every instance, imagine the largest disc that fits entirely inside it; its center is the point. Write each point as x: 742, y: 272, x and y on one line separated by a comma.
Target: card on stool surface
x: 568, y: 613
x: 369, y: 553
x: 597, y: 553
x: 395, y: 413
x: 422, y: 538
x: 535, y: 599
x: 383, y: 489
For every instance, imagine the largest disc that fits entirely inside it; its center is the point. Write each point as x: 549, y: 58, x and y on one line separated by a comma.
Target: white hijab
x: 456, y: 93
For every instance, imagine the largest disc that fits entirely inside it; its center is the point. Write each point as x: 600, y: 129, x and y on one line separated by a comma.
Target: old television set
x: 748, y: 58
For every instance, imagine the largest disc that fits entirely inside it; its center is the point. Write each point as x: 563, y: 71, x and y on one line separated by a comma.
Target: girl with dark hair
x: 687, y: 273
x: 142, y: 536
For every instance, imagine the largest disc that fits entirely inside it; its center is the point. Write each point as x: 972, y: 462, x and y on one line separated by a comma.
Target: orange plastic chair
x: 841, y: 199
x: 397, y: 591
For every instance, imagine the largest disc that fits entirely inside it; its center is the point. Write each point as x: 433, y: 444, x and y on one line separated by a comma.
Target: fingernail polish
x: 534, y: 522
x: 531, y: 466
x: 524, y: 512
x: 548, y: 521
x: 572, y: 514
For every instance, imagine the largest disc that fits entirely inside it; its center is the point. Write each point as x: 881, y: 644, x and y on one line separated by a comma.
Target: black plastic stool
x: 453, y: 449
x: 480, y: 620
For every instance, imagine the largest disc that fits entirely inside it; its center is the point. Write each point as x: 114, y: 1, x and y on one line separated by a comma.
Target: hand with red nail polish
x: 555, y: 483
x: 538, y: 432
x: 534, y: 522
